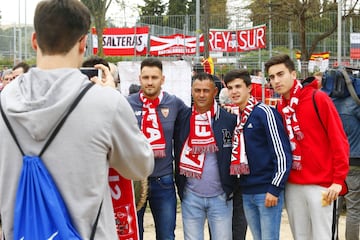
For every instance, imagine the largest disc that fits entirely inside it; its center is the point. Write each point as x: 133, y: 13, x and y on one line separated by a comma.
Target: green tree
x: 214, y: 15
x: 177, y: 11
x: 152, y: 12
x: 216, y: 9
x: 218, y: 14
x: 191, y: 9
x: 177, y: 7
x: 307, y: 17
x: 98, y: 9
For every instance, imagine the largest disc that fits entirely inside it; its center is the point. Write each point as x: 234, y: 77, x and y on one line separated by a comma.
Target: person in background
x: 349, y: 113
x: 257, y: 79
x: 261, y: 157
x: 319, y: 147
x: 100, y: 132
x: 156, y: 112
x: 7, y: 77
x: 134, y: 88
x: 197, y: 68
x: 319, y: 76
x: 20, y: 68
x: 224, y: 97
x: 206, y: 65
x: 202, y: 155
x: 115, y: 73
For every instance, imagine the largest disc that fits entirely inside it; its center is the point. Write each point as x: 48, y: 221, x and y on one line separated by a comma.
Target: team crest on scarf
x: 200, y: 141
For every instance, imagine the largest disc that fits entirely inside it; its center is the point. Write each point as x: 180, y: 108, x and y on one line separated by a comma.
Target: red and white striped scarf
x: 151, y: 125
x: 239, y: 162
x: 288, y: 108
x: 200, y: 141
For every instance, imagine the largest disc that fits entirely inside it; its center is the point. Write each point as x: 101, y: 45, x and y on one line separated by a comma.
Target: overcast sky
x: 10, y: 10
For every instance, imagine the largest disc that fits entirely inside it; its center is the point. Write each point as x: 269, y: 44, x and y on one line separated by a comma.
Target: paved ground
x: 285, y: 233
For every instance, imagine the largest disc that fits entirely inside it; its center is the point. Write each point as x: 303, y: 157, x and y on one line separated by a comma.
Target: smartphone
x: 91, y: 72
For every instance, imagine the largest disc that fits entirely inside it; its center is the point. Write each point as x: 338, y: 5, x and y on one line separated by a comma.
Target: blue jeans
x: 162, y: 201
x: 195, y: 210
x: 264, y: 222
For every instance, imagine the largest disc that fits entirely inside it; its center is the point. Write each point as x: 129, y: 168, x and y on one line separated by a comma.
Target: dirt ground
x: 285, y: 233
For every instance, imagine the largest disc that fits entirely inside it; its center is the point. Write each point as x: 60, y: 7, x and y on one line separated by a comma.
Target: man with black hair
x: 157, y: 112
x: 202, y: 153
x: 320, y: 151
x: 20, y: 68
x: 261, y: 157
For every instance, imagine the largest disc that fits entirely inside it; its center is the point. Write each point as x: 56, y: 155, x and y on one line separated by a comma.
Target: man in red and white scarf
x: 202, y: 153
x: 157, y: 111
x: 321, y: 167
x: 200, y: 141
x: 261, y: 157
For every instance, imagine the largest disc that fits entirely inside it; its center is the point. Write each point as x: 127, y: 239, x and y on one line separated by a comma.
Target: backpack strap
x: 350, y: 86
x: 11, y: 130
x: 317, y: 110
x: 93, y: 230
x: 56, y: 130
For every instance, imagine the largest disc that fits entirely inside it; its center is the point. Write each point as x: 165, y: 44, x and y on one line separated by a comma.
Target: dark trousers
x: 239, y: 223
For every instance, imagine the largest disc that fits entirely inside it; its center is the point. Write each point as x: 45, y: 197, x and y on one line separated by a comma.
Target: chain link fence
x: 281, y: 37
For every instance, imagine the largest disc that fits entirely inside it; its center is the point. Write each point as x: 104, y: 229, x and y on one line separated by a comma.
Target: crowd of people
x: 233, y: 160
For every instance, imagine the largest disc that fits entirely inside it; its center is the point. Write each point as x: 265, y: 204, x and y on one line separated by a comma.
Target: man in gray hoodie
x: 101, y: 132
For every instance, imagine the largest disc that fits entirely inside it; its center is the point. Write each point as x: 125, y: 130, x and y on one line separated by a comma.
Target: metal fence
x: 281, y: 36
x: 15, y: 41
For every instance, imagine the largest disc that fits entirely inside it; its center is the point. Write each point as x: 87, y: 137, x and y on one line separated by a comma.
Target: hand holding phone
x: 102, y: 74
x: 91, y: 72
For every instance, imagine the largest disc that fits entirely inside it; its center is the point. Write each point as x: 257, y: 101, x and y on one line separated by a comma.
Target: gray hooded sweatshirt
x: 101, y: 132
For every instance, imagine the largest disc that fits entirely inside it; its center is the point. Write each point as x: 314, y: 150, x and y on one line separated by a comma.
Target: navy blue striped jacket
x: 268, y: 150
